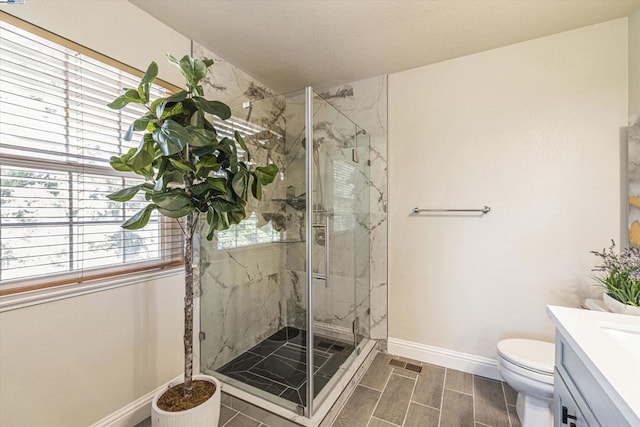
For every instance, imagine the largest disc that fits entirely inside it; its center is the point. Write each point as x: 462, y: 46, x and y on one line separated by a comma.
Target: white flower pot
x: 616, y: 306
x: 206, y: 414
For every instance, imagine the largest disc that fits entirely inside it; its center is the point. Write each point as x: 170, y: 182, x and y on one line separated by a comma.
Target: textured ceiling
x: 289, y: 44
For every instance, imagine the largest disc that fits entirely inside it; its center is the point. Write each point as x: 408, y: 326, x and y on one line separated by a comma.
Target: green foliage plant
x: 621, y: 278
x: 189, y: 170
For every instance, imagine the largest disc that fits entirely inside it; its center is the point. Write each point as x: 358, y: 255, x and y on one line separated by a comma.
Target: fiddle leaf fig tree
x: 188, y: 169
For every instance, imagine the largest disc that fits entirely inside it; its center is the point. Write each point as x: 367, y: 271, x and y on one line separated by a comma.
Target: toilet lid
x: 529, y: 354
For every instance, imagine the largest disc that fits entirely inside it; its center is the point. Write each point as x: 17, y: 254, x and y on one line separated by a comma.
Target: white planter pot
x: 616, y: 306
x: 206, y: 414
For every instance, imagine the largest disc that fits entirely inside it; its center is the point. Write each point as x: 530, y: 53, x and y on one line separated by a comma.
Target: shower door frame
x: 308, y: 157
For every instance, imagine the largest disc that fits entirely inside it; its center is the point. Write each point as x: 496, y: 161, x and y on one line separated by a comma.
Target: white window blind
x: 247, y: 233
x: 344, y: 187
x: 56, y: 138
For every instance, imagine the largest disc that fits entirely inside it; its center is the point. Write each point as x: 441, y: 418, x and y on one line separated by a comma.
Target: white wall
x: 115, y: 28
x: 72, y: 362
x: 634, y: 63
x: 532, y: 130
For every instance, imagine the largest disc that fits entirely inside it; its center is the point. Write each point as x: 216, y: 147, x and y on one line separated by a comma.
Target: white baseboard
x: 477, y: 365
x: 135, y: 412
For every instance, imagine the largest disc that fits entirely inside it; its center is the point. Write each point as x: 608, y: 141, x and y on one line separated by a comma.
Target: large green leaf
x: 178, y: 213
x: 129, y: 95
x: 145, y: 83
x: 137, y: 126
x: 172, y: 200
x: 125, y: 194
x: 175, y: 132
x: 215, y: 185
x: 119, y: 164
x: 175, y: 110
x: 217, y: 108
x: 150, y: 74
x: 220, y: 205
x: 160, y: 104
x: 199, y: 69
x: 238, y: 138
x: 143, y: 157
x: 201, y: 137
x: 180, y: 165
x: 140, y: 219
x: 240, y: 183
x: 192, y: 69
x: 236, y: 216
x: 200, y: 188
x: 204, y: 151
x: 171, y: 137
x: 256, y: 188
x: 266, y: 174
x: 218, y: 183
x: 209, y: 161
x: 174, y: 177
x: 197, y: 119
x: 187, y: 67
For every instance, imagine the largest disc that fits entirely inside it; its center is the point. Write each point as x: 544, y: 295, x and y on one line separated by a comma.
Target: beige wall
x: 634, y: 63
x: 72, y: 362
x: 115, y: 28
x: 532, y: 130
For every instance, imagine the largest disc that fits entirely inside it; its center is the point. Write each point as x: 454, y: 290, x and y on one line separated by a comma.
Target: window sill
x: 46, y: 295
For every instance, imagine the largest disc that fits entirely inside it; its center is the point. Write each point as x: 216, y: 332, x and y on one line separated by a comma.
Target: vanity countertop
x: 609, y: 345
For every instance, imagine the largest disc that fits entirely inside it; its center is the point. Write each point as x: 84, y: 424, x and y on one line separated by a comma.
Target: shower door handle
x: 326, y: 251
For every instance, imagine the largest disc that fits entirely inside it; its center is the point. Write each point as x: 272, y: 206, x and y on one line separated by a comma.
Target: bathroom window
x: 344, y: 195
x: 56, y: 136
x: 247, y: 233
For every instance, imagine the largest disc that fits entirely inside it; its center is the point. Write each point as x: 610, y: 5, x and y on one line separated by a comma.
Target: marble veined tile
x: 241, y: 363
x: 266, y: 347
x: 281, y: 370
x: 299, y: 354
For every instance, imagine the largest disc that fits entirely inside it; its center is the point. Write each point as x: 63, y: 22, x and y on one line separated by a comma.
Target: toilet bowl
x: 527, y: 366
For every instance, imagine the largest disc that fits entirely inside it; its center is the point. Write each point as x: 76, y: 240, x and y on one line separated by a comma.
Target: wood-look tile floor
x: 389, y: 396
x: 393, y: 396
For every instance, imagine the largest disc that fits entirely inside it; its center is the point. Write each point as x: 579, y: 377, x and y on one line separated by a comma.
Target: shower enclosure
x: 294, y: 275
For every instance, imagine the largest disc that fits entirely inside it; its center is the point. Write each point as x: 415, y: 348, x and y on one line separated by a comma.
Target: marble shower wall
x: 242, y: 291
x: 249, y: 293
x: 341, y: 188
x: 365, y: 102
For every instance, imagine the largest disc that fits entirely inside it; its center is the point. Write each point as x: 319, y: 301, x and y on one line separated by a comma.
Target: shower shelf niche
x: 297, y: 203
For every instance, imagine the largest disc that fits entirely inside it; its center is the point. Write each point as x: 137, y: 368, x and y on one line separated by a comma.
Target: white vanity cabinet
x: 597, y: 373
x: 566, y: 411
x: 579, y: 399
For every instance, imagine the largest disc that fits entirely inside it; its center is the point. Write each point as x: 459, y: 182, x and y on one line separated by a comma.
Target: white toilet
x: 527, y: 366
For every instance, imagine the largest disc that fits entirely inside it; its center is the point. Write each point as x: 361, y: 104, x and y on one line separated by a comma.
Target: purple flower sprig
x: 621, y: 278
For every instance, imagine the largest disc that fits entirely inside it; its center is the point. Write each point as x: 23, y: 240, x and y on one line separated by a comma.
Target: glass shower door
x: 340, y: 242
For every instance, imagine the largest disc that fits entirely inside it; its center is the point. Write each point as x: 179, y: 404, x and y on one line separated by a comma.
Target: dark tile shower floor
x: 278, y: 364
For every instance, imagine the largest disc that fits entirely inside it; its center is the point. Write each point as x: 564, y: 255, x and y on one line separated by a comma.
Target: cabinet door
x: 566, y: 412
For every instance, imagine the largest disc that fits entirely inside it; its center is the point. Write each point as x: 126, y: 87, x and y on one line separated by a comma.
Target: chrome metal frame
x: 484, y: 210
x: 308, y: 118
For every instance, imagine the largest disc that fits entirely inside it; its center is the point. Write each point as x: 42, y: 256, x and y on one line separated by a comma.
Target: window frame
x: 80, y: 276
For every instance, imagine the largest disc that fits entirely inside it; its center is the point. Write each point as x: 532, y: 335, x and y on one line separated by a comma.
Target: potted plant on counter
x: 188, y: 171
x: 621, y: 279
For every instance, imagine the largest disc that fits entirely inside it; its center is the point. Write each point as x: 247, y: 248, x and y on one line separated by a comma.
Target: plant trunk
x: 188, y: 307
